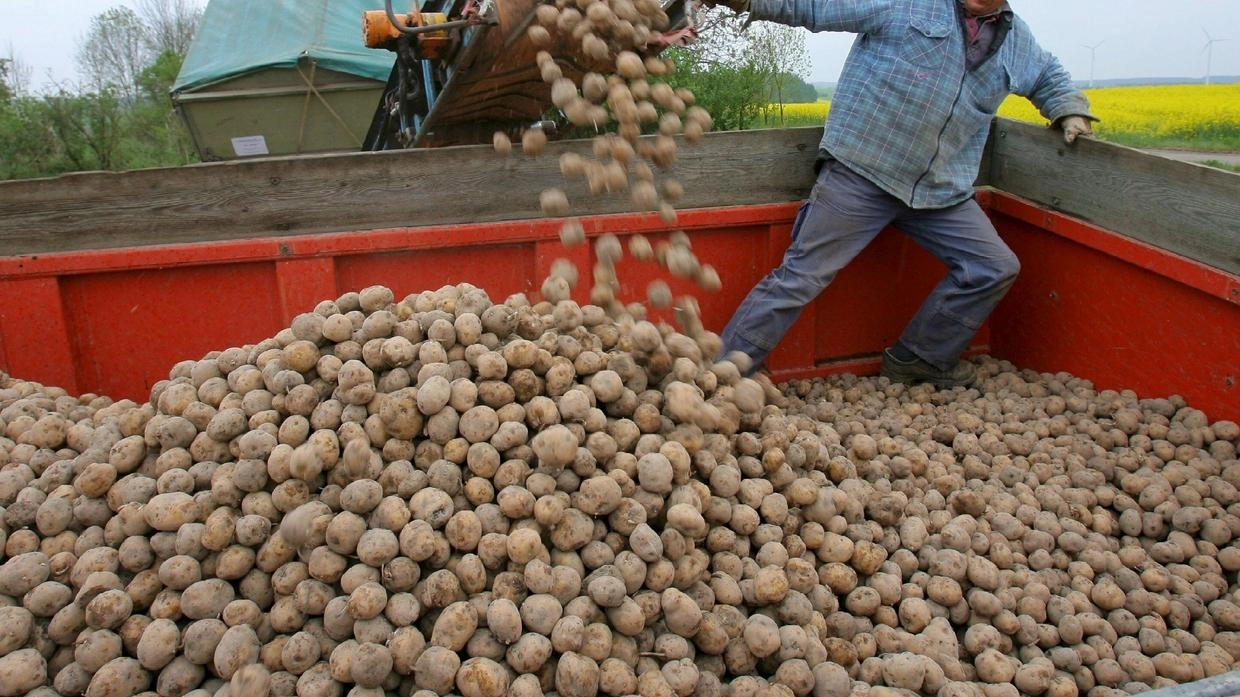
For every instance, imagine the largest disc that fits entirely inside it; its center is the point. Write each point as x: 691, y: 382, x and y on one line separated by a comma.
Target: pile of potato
x: 444, y: 495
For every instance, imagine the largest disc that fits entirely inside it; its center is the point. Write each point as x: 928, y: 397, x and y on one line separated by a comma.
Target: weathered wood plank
x: 366, y: 191
x: 1185, y: 208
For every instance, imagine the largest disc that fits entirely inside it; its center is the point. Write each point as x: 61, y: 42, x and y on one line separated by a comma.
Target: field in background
x: 1192, y: 117
x: 808, y: 114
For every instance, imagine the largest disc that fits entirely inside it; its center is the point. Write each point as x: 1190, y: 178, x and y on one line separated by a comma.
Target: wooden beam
x: 1189, y: 209
x: 366, y: 191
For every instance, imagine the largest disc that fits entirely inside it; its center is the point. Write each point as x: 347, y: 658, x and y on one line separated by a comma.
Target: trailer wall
x: 113, y: 312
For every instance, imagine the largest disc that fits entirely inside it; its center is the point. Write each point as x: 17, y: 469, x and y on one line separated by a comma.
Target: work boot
x: 916, y: 370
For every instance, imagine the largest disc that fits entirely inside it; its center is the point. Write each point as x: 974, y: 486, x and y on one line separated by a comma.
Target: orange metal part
x: 1089, y: 301
x: 379, y: 32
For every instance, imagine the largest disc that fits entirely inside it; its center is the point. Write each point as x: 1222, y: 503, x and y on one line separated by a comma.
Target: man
x: 902, y: 146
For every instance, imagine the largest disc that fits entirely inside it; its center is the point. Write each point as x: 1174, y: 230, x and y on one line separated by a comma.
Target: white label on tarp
x: 250, y: 145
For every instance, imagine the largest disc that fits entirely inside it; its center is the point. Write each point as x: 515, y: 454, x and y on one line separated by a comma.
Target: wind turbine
x: 1093, y: 52
x: 1208, y: 49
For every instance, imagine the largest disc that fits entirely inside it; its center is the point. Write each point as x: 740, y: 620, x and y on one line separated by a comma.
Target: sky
x: 1134, y: 38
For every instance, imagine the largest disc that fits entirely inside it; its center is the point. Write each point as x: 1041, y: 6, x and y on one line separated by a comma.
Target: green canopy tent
x: 280, y: 77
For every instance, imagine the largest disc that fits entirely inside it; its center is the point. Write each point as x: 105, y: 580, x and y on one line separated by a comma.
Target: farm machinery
x: 467, y: 68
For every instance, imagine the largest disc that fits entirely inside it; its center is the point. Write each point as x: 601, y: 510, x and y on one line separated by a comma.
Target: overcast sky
x: 1139, y: 38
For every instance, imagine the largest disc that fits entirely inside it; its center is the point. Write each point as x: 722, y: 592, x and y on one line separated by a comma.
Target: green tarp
x: 237, y: 37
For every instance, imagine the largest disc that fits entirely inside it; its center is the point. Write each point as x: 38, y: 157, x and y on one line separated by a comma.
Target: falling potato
x: 554, y: 202
x: 502, y: 143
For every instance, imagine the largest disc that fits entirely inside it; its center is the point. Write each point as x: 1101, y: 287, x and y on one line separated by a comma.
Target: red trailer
x: 1131, y: 263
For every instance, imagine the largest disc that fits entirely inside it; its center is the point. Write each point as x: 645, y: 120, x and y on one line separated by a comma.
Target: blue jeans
x: 845, y: 211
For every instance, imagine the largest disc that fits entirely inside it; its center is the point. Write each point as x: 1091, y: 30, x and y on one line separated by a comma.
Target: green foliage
x: 1219, y: 164
x: 88, y: 127
x: 162, y: 137
x: 735, y: 69
x: 121, y: 118
x: 795, y: 91
x: 26, y: 138
x: 734, y: 94
x: 156, y: 79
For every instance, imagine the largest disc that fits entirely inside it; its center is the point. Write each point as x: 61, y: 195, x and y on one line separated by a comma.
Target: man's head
x: 978, y: 8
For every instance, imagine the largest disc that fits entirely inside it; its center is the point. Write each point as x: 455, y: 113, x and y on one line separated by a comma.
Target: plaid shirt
x: 907, y: 113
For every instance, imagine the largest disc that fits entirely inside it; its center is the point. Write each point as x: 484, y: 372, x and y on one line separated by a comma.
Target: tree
x: 796, y: 91
x: 166, y: 140
x: 114, y: 52
x: 171, y: 24
x: 29, y: 142
x: 88, y: 128
x: 121, y: 43
x: 6, y: 92
x: 14, y: 76
x: 735, y: 68
x: 120, y: 116
x: 780, y: 53
x: 718, y: 69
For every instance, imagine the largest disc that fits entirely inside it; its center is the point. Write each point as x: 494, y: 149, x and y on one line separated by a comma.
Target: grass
x: 1218, y: 164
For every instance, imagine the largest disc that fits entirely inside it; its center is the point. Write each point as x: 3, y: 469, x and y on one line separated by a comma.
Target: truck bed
x: 112, y: 278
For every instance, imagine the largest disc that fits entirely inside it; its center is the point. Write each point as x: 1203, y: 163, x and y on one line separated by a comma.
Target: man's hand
x: 737, y: 6
x: 1074, y: 126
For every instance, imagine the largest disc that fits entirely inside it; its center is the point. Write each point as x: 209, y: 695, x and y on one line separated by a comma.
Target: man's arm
x: 857, y: 16
x: 1059, y: 101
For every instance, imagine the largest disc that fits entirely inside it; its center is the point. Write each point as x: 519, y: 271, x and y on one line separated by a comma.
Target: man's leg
x: 980, y: 269
x: 844, y: 213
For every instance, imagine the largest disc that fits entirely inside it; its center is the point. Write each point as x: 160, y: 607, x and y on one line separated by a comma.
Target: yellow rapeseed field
x: 1206, y: 116
x: 1198, y: 116
x: 807, y: 114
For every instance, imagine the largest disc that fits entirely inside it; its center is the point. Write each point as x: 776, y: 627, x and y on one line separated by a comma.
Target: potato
x: 200, y: 640
x: 72, y: 679
x: 555, y: 447
x: 16, y: 625
x: 118, y: 678
x: 482, y: 677
x: 21, y: 671
x: 250, y: 681
x: 170, y: 511
x: 159, y: 644
x: 108, y: 609
x: 761, y: 635
x: 237, y: 647
x: 436, y: 669
x: 316, y: 682
x: 179, y: 677
x: 994, y: 667
x: 607, y: 591
x: 503, y: 618
x: 93, y: 649
x: 207, y: 598
x: 454, y: 626
x: 682, y: 614
x: 301, y: 652
x: 22, y: 572
x: 529, y: 653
